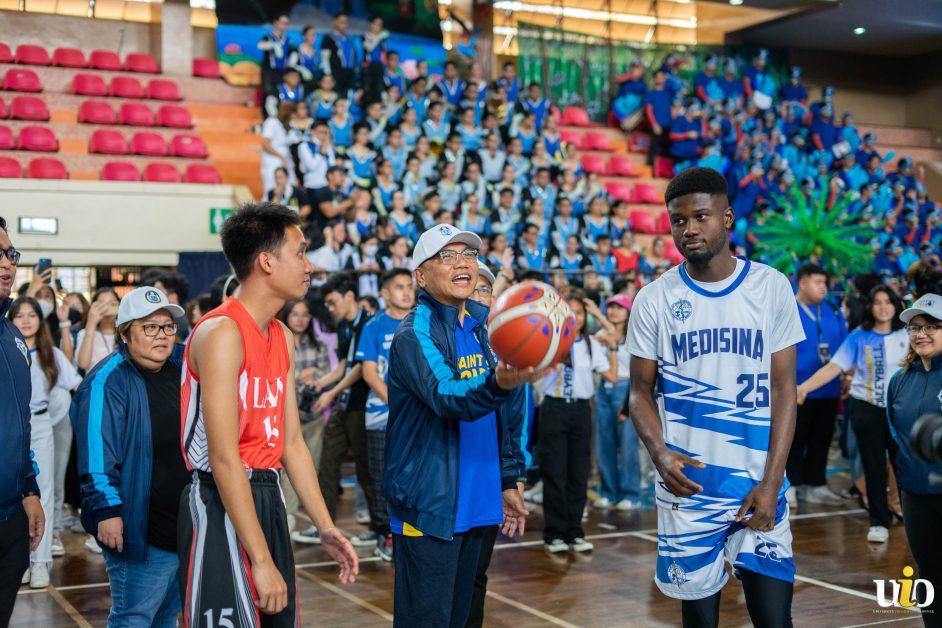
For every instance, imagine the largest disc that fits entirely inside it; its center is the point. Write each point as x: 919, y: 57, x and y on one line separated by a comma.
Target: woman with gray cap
x: 126, y: 416
x: 915, y: 390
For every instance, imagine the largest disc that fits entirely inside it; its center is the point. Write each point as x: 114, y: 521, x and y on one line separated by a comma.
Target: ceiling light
x: 860, y: 30
x: 589, y: 14
x: 735, y: 3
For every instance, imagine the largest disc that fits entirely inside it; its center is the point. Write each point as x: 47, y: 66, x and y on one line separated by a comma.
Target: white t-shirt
x: 102, y: 346
x: 67, y: 380
x: 274, y: 132
x: 575, y: 382
x: 713, y: 344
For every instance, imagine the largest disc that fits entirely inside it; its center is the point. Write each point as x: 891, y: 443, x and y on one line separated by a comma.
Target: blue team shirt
x: 825, y: 325
x: 479, y: 494
x: 660, y: 101
x: 375, y: 340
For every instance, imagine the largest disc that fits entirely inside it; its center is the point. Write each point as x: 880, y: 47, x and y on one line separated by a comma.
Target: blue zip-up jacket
x: 912, y: 392
x: 18, y: 472
x: 111, y: 417
x: 427, y: 399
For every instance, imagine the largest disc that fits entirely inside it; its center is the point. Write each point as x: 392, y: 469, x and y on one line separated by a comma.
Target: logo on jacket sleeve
x: 23, y: 349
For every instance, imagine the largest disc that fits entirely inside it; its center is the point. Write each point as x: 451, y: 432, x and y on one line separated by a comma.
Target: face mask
x: 46, y: 307
x: 75, y: 316
x: 370, y: 251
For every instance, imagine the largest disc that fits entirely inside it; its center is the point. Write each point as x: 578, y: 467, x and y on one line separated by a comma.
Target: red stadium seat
x: 141, y: 62
x: 671, y: 252
x: 104, y: 60
x: 47, y: 168
x: 576, y: 116
x: 663, y: 167
x: 554, y: 111
x: 28, y: 54
x: 594, y: 140
x: 161, y: 173
x: 29, y: 108
x: 17, y: 80
x: 7, y: 141
x: 150, y: 144
x: 69, y: 58
x: 201, y: 173
x: 96, y: 112
x: 174, y: 116
x: 126, y: 87
x: 3, y: 110
x: 10, y: 168
x: 644, y: 193
x: 89, y: 85
x: 38, y: 138
x: 642, y: 222
x: 120, y: 171
x: 135, y: 114
x: 186, y: 145
x: 594, y: 163
x: 5, y: 55
x: 621, y: 166
x: 107, y: 142
x: 570, y: 137
x: 618, y: 190
x: 206, y: 68
x: 639, y: 142
x: 664, y: 223
x: 160, y: 89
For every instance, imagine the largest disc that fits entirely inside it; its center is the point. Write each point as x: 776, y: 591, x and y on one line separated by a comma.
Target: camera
x: 926, y: 440
x: 306, y: 398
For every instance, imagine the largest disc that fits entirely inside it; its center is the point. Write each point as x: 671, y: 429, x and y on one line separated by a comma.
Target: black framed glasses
x: 484, y: 291
x: 151, y: 329
x: 12, y: 254
x: 449, y: 257
x: 915, y: 330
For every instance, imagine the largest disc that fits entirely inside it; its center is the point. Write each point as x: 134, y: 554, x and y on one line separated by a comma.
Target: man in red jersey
x: 240, y: 426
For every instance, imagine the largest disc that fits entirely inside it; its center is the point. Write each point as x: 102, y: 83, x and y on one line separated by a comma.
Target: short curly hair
x: 696, y: 181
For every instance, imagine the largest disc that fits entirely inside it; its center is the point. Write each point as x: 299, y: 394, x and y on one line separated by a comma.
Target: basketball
x: 531, y: 325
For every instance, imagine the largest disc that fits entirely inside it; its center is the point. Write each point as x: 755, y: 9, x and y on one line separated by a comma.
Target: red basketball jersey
x: 263, y: 380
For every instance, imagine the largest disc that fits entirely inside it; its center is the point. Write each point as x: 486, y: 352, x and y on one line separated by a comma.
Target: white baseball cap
x: 437, y: 238
x: 928, y: 304
x: 486, y: 272
x: 144, y: 301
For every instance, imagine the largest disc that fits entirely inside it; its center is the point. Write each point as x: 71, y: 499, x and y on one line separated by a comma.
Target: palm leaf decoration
x: 810, y: 231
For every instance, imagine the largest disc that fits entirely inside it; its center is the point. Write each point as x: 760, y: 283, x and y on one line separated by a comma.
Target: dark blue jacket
x: 912, y: 392
x: 427, y: 399
x: 18, y: 472
x: 111, y: 417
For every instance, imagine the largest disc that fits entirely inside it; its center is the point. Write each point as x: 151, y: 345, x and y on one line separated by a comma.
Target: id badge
x: 824, y: 353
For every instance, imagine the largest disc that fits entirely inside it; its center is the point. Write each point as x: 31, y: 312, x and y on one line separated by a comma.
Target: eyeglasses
x: 915, y: 330
x: 151, y: 329
x: 484, y: 291
x: 12, y: 254
x: 449, y: 257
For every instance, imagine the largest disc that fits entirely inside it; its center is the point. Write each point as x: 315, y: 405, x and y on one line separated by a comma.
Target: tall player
x: 240, y: 426
x: 715, y: 337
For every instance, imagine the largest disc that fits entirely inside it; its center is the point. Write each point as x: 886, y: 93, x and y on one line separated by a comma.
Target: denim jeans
x: 144, y: 594
x: 616, y: 444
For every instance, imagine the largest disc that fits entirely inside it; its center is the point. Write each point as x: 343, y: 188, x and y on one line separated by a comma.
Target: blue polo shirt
x: 660, y: 101
x: 824, y: 324
x: 479, y: 494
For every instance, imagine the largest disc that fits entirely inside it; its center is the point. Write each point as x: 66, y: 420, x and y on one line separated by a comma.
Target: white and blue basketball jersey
x: 374, y: 344
x: 713, y: 343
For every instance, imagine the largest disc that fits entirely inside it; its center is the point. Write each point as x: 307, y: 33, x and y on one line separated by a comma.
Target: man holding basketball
x: 450, y: 464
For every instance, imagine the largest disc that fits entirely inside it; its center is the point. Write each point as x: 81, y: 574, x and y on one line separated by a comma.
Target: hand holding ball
x: 531, y: 325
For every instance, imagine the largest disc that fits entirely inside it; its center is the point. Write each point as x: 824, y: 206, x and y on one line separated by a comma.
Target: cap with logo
x: 926, y: 305
x: 144, y: 301
x: 437, y: 238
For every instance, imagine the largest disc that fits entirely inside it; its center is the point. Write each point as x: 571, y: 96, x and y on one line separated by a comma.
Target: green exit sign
x: 217, y: 216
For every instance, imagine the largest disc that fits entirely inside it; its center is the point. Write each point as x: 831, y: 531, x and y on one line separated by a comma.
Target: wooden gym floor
x: 611, y: 586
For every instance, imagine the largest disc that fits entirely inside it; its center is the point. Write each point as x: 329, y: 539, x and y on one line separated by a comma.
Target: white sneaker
x: 534, y: 495
x: 57, y: 548
x: 367, y: 539
x: 585, y: 513
x: 791, y: 496
x: 628, y: 504
x: 579, y: 544
x: 38, y: 576
x: 821, y: 495
x: 92, y: 545
x: 309, y: 537
x: 363, y: 516
x: 602, y: 503
x: 555, y: 546
x: 878, y: 534
x: 25, y: 578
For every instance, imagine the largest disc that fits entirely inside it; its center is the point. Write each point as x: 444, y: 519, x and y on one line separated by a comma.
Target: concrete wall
x: 116, y: 224
x: 63, y: 31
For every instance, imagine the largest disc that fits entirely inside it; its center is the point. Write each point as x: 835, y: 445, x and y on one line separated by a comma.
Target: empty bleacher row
x: 55, y: 90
